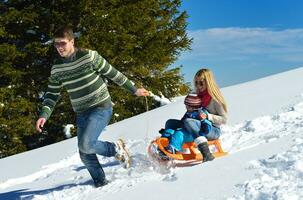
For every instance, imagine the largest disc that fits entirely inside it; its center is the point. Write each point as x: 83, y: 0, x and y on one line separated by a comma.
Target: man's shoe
x: 122, y: 154
x: 100, y: 184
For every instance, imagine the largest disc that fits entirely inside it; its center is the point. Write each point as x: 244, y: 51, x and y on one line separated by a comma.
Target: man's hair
x: 64, y: 32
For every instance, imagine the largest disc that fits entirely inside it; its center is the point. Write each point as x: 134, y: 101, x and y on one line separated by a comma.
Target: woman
x: 213, y: 101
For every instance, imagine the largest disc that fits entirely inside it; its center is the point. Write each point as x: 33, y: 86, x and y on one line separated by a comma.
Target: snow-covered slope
x: 264, y: 140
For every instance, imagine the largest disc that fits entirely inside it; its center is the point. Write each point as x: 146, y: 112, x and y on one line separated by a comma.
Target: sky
x: 242, y: 40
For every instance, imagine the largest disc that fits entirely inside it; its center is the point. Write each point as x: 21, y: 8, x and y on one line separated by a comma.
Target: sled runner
x: 192, y: 154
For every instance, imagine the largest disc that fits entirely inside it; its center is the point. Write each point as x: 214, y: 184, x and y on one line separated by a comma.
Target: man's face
x: 64, y: 46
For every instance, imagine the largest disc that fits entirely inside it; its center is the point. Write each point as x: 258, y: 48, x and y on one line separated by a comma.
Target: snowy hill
x: 263, y: 137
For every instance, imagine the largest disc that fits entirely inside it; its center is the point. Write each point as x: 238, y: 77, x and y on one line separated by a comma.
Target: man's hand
x: 142, y: 92
x: 39, y: 124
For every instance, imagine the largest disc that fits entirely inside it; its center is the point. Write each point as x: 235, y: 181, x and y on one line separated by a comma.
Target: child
x: 179, y: 136
x: 196, y: 112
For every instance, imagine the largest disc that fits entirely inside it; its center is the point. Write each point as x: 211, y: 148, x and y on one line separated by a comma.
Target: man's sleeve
x: 108, y: 71
x: 50, y: 98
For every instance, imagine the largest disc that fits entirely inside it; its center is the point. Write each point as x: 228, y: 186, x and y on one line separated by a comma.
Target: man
x: 80, y: 72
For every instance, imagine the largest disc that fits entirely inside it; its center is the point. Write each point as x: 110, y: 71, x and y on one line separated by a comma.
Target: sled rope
x: 147, y: 120
x: 146, y: 102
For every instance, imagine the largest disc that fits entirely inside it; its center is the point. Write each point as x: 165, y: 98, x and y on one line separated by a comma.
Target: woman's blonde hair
x: 211, y: 85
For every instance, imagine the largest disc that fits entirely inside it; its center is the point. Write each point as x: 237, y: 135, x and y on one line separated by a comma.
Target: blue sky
x: 242, y: 40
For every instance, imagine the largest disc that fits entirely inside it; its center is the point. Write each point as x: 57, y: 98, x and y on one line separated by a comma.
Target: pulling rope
x: 147, y: 120
x: 163, y: 101
x: 146, y: 103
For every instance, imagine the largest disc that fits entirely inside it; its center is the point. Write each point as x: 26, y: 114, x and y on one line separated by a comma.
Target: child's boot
x: 202, y: 145
x: 170, y: 149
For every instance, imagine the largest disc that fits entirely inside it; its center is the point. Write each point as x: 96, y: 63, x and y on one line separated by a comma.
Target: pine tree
x: 25, y: 60
x: 16, y: 110
x: 141, y: 38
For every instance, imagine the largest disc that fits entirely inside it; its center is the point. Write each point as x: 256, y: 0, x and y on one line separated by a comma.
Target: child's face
x: 189, y: 109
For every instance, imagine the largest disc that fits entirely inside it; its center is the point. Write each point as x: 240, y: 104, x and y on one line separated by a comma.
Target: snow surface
x: 67, y: 130
x: 263, y: 137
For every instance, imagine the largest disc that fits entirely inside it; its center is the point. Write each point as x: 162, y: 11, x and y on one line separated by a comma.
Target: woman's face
x: 200, y: 85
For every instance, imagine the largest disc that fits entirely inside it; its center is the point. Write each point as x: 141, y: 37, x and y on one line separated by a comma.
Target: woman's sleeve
x: 220, y: 117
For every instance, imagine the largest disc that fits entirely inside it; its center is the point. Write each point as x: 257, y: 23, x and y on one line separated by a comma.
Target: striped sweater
x: 82, y: 78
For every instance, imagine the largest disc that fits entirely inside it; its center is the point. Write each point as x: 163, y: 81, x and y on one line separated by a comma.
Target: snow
x: 263, y: 138
x: 278, y: 177
x: 162, y: 100
x: 67, y: 130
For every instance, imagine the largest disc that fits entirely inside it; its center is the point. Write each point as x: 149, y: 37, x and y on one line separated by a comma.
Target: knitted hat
x: 193, y: 100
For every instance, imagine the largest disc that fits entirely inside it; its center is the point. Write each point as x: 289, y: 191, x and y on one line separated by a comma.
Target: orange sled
x: 192, y: 153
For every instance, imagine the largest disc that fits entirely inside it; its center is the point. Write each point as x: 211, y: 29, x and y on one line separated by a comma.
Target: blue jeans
x: 192, y: 126
x: 90, y: 124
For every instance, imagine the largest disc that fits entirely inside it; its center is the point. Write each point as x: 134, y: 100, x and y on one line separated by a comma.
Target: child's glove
x: 206, y: 127
x: 203, y: 114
